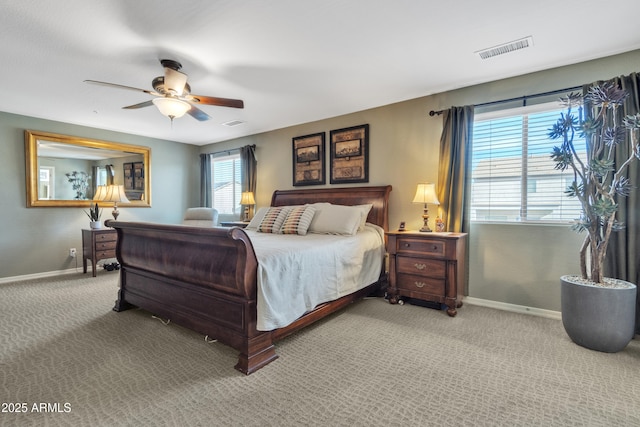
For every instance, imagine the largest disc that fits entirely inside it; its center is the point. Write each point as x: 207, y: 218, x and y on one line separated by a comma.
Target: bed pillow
x: 364, y: 209
x: 257, y: 218
x: 298, y: 220
x: 273, y: 219
x: 335, y: 219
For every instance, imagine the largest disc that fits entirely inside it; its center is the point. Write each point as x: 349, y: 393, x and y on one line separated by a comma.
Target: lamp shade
x: 171, y: 107
x: 426, y: 193
x: 247, y: 198
x: 115, y: 193
x: 101, y: 193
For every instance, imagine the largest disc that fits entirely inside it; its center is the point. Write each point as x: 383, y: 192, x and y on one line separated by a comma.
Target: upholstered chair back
x: 201, y: 217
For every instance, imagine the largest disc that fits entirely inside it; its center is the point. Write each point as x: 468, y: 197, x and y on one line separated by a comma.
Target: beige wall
x: 514, y: 264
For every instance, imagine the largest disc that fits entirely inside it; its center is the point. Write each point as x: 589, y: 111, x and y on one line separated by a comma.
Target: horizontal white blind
x: 226, y: 183
x: 513, y: 176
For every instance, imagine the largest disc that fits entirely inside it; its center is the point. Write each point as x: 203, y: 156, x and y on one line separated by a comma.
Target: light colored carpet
x: 372, y: 364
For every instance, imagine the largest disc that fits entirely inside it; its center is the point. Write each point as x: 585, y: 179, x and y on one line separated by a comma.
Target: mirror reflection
x: 68, y: 171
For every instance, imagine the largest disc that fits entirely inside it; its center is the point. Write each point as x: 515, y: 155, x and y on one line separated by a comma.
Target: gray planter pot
x: 598, y: 318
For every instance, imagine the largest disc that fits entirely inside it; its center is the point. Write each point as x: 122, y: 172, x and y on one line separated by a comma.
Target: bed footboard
x: 201, y: 278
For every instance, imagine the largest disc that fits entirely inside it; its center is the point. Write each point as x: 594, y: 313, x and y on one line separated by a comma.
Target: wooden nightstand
x: 98, y: 244
x: 427, y: 266
x: 241, y: 224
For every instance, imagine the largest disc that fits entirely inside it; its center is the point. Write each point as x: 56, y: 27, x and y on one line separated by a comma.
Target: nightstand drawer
x: 428, y: 285
x: 421, y: 246
x: 106, y: 237
x: 421, y: 266
x: 105, y: 254
x: 102, y: 246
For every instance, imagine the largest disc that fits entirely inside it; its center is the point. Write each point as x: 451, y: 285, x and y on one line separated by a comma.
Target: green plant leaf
x: 601, y: 166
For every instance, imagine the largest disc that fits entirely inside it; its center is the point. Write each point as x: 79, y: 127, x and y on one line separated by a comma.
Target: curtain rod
x: 519, y: 98
x: 229, y: 151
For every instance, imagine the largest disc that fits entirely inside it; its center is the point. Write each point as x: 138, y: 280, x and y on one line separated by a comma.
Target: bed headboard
x: 377, y: 196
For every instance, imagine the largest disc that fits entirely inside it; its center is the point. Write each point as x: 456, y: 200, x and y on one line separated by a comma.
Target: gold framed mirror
x: 67, y: 171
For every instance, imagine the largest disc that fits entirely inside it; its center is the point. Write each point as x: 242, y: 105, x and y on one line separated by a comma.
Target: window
x: 513, y: 176
x: 46, y: 182
x: 226, y: 183
x: 101, y: 175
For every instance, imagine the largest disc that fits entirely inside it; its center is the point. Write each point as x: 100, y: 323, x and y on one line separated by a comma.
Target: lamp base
x: 425, y: 221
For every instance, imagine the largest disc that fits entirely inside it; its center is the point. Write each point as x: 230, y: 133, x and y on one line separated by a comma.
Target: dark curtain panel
x: 623, y: 254
x: 205, y: 180
x: 249, y: 175
x: 110, y: 174
x: 454, y: 172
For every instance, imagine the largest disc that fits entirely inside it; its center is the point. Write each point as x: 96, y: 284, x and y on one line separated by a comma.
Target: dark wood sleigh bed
x: 205, y: 279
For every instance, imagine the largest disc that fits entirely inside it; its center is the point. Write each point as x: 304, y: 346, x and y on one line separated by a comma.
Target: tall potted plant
x: 597, y: 312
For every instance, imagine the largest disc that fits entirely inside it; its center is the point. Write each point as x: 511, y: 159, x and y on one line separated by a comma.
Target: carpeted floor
x: 372, y: 364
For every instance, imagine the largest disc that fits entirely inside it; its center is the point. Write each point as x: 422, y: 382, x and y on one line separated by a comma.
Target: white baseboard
x: 43, y: 275
x: 550, y: 314
x: 468, y: 300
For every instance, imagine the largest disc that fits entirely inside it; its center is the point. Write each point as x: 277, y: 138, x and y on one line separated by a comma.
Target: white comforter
x: 296, y: 273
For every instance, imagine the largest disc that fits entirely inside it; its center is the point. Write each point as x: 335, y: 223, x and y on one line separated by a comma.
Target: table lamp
x: 115, y: 194
x: 101, y: 193
x: 426, y: 193
x: 247, y: 200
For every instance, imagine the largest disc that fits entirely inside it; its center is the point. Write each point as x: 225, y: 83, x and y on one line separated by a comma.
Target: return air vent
x: 232, y: 123
x: 506, y: 48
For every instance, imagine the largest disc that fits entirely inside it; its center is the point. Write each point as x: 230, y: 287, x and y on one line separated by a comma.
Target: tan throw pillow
x: 298, y: 220
x: 272, y: 220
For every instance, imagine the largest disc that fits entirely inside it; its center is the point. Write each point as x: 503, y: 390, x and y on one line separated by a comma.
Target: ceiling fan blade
x: 222, y: 102
x: 198, y: 114
x: 140, y: 105
x: 174, y: 81
x: 96, y: 82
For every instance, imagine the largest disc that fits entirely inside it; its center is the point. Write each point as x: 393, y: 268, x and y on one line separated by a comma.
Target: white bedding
x: 296, y: 273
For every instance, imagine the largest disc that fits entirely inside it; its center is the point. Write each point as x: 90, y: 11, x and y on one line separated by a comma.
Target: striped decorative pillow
x: 272, y: 220
x: 298, y: 220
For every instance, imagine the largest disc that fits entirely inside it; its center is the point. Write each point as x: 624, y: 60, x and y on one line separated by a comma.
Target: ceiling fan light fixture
x: 172, y: 107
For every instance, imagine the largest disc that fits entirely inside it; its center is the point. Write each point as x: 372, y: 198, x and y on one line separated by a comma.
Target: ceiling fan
x: 173, y: 94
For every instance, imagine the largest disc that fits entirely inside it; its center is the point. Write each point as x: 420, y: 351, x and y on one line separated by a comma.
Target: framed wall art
x: 308, y: 159
x: 350, y: 155
x: 134, y: 180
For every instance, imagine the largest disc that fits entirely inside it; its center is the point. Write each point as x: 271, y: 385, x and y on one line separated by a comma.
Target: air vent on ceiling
x: 506, y: 48
x: 233, y: 123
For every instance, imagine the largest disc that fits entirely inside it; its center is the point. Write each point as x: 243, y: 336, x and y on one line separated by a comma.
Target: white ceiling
x: 291, y: 61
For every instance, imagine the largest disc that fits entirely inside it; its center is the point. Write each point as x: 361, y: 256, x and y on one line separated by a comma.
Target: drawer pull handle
x: 435, y: 248
x: 420, y: 266
x: 420, y: 284
x: 406, y: 245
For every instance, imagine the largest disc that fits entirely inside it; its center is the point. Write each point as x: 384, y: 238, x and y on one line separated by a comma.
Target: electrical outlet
x: 72, y: 252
